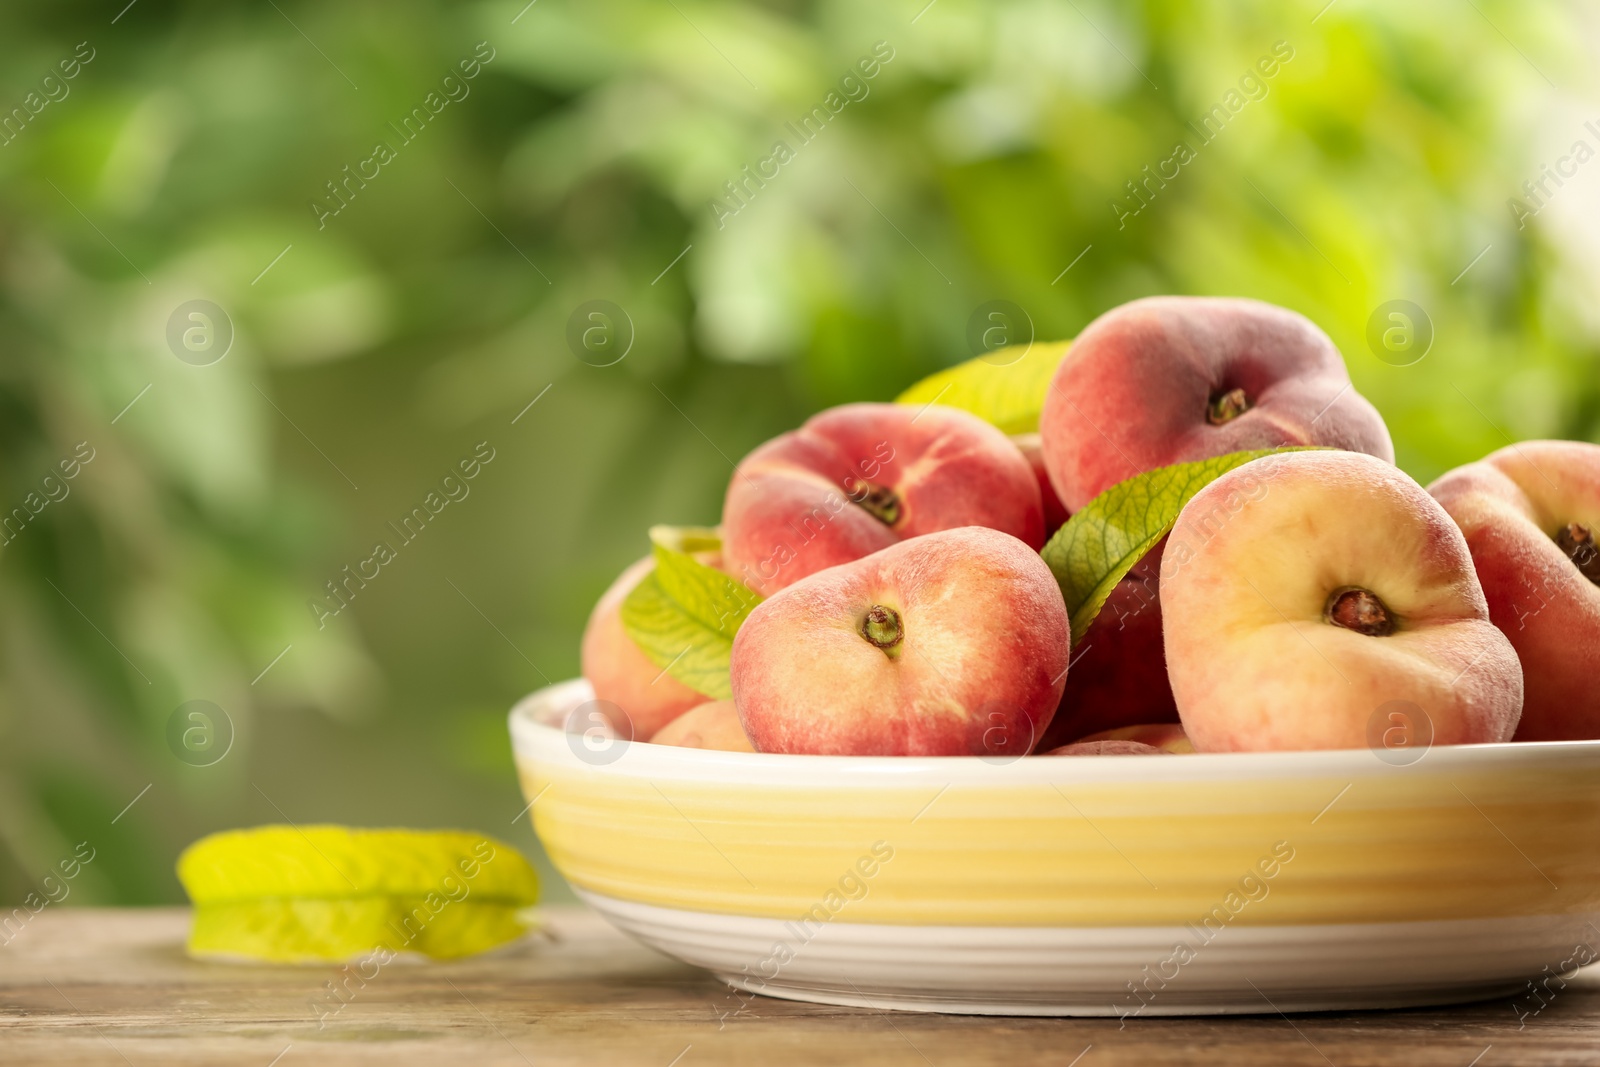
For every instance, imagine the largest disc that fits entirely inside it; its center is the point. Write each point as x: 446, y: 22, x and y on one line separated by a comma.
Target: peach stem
x: 1577, y: 541
x: 1359, y: 610
x: 880, y: 501
x: 882, y: 628
x: 1227, y: 407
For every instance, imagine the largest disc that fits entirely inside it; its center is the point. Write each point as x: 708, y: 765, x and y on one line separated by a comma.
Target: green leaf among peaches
x: 1005, y: 387
x: 684, y: 614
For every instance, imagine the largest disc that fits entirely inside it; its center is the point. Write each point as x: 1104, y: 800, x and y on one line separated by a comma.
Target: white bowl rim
x: 536, y: 736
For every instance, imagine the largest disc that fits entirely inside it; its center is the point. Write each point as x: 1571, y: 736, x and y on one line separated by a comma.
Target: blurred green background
x: 374, y: 348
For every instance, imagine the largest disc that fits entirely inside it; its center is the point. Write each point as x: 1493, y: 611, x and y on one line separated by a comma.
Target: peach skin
x: 1055, y: 513
x: 1108, y: 747
x: 1531, y: 513
x: 949, y: 644
x: 1341, y: 587
x: 714, y: 724
x: 1169, y: 379
x: 621, y: 673
x: 859, y: 478
x: 1166, y: 736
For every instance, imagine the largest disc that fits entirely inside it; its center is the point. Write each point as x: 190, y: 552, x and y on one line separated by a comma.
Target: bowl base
x: 1115, y: 971
x: 1247, y: 1004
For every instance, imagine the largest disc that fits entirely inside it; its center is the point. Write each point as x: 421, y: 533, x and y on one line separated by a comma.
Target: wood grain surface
x: 86, y: 986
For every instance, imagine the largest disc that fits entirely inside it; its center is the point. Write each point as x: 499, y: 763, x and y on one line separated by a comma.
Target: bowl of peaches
x: 1127, y: 676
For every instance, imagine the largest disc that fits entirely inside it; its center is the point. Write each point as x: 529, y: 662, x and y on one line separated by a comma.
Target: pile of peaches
x: 1301, y: 600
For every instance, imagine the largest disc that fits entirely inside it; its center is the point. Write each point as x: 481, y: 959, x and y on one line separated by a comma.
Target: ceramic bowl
x: 1109, y: 885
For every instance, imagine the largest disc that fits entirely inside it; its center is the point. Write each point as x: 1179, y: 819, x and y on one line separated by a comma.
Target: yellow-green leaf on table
x: 684, y: 614
x: 1005, y: 387
x: 300, y: 894
x: 303, y: 931
x: 1099, y: 544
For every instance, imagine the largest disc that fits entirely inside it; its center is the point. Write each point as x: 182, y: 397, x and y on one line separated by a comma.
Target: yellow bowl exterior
x: 1282, y: 838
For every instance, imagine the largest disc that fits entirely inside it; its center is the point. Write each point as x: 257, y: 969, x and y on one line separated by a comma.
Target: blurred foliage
x: 375, y: 352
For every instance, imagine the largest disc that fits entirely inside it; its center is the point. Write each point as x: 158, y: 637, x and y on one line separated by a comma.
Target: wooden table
x: 114, y: 987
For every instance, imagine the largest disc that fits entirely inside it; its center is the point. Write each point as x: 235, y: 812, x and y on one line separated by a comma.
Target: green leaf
x: 296, y: 894
x: 1006, y: 387
x: 1101, y: 543
x: 685, y: 613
